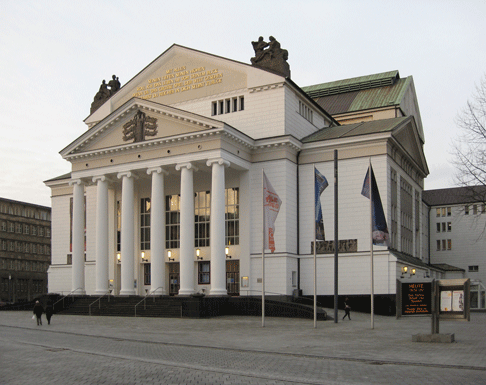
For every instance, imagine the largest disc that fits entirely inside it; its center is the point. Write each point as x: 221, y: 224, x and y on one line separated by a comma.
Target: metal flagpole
x: 336, y: 238
x: 263, y: 252
x: 315, y: 247
x: 371, y: 250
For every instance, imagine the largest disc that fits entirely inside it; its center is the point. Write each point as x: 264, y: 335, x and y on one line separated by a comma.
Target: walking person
x: 49, y: 312
x: 38, y: 310
x: 347, y: 309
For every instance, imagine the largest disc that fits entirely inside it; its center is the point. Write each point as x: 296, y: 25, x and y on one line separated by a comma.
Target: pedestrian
x: 347, y: 309
x: 49, y: 312
x: 38, y: 310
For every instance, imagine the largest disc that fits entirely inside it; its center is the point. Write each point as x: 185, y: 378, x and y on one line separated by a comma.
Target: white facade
x: 216, y: 138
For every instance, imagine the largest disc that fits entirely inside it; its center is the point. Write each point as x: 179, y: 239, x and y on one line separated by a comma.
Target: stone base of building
x: 441, y: 338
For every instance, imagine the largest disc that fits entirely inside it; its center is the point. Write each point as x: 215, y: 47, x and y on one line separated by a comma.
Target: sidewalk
x: 389, y: 341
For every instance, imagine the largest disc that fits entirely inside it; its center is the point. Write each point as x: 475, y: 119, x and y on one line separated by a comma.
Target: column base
x: 186, y: 291
x: 79, y: 292
x: 158, y: 292
x: 102, y: 292
x: 127, y: 292
x: 218, y: 292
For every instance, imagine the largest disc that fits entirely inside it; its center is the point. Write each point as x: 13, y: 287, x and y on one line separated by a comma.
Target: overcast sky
x: 54, y: 55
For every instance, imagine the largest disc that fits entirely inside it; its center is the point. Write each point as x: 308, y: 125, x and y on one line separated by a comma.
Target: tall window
x: 145, y: 224
x: 172, y: 221
x: 202, y: 218
x: 202, y: 203
x: 146, y: 274
x: 232, y: 216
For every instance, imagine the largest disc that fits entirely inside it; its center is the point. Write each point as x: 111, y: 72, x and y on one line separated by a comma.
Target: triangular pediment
x: 407, y: 136
x: 182, y: 74
x: 139, y: 122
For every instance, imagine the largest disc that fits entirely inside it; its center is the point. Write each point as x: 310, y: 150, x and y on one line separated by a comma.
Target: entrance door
x: 174, y: 278
x: 233, y: 277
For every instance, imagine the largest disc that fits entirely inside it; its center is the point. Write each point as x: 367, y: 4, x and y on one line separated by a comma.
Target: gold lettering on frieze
x: 179, y: 79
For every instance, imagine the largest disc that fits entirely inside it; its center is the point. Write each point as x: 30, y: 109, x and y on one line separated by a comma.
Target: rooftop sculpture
x: 269, y: 55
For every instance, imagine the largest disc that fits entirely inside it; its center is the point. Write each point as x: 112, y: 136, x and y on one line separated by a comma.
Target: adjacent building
x: 25, y: 252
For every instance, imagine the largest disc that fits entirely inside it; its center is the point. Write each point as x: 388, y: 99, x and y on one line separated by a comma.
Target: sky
x: 54, y: 55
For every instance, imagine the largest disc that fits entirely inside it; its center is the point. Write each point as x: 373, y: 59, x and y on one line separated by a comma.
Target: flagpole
x: 371, y: 250
x: 315, y: 262
x: 263, y: 252
x: 336, y: 238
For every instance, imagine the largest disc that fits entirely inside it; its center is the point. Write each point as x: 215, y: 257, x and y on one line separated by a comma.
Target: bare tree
x: 469, y: 150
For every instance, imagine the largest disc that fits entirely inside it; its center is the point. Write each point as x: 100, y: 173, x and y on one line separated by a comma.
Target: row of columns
x: 157, y: 228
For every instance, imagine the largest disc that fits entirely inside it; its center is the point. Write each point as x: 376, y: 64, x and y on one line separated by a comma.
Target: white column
x: 217, y: 232
x: 157, y: 231
x: 78, y: 238
x: 101, y: 235
x: 127, y: 234
x: 187, y: 229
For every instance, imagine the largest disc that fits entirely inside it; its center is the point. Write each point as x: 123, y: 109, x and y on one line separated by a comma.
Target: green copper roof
x: 362, y: 93
x: 356, y: 129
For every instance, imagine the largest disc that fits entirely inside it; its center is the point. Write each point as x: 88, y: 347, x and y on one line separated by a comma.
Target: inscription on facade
x: 177, y: 80
x: 344, y: 246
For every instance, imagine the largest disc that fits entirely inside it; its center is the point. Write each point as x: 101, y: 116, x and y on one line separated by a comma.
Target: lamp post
x: 9, y: 285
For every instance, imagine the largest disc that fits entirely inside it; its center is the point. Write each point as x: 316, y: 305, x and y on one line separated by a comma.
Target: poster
x: 458, y: 300
x: 446, y: 300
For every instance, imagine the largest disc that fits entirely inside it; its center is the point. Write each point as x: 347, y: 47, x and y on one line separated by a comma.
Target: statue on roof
x: 273, y: 58
x: 104, y: 92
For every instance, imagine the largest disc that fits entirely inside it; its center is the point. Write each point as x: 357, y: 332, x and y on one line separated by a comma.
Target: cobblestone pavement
x: 237, y: 350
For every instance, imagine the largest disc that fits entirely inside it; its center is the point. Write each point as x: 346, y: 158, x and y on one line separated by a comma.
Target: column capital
x: 158, y: 170
x: 187, y: 165
x: 78, y: 182
x: 97, y: 178
x: 220, y: 161
x: 128, y: 174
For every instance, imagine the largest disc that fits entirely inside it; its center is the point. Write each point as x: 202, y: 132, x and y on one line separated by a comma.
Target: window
x: 4, y: 226
x: 443, y: 211
x: 449, y: 211
x: 203, y: 273
x: 34, y: 230
x: 172, y: 221
x: 438, y: 227
x: 443, y: 244
x: 118, y: 226
x: 449, y: 244
x: 443, y: 227
x: 41, y: 231
x: 26, y: 229
x: 449, y: 226
x: 226, y: 106
x: 437, y: 212
x: 305, y: 112
x: 146, y: 274
x: 11, y: 227
x: 232, y: 216
x: 202, y: 206
x: 466, y: 210
x: 473, y: 269
x: 18, y: 228
x: 145, y: 224
x: 475, y: 209
x: 4, y: 245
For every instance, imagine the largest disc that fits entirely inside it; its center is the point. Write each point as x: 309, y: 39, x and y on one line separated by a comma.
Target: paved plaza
x: 237, y: 350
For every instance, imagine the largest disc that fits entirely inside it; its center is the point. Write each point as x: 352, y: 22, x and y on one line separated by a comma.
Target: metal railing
x: 99, y: 300
x: 282, y: 297
x: 153, y: 292
x: 71, y: 293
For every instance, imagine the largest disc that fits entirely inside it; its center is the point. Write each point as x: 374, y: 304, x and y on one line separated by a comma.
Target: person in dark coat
x: 49, y: 312
x: 347, y: 309
x: 38, y: 310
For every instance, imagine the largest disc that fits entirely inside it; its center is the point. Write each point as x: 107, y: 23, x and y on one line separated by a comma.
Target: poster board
x: 415, y: 297
x: 453, y: 298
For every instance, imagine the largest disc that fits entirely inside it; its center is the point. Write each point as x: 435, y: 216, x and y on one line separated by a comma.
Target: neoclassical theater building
x: 165, y: 191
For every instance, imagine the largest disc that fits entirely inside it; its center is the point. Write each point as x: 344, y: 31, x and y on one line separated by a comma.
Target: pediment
x: 408, y: 138
x: 181, y: 74
x: 139, y: 122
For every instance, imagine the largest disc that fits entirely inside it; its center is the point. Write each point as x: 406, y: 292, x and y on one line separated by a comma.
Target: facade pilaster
x: 127, y: 233
x: 217, y: 229
x: 157, y: 231
x: 187, y: 229
x: 102, y: 277
x: 78, y: 285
